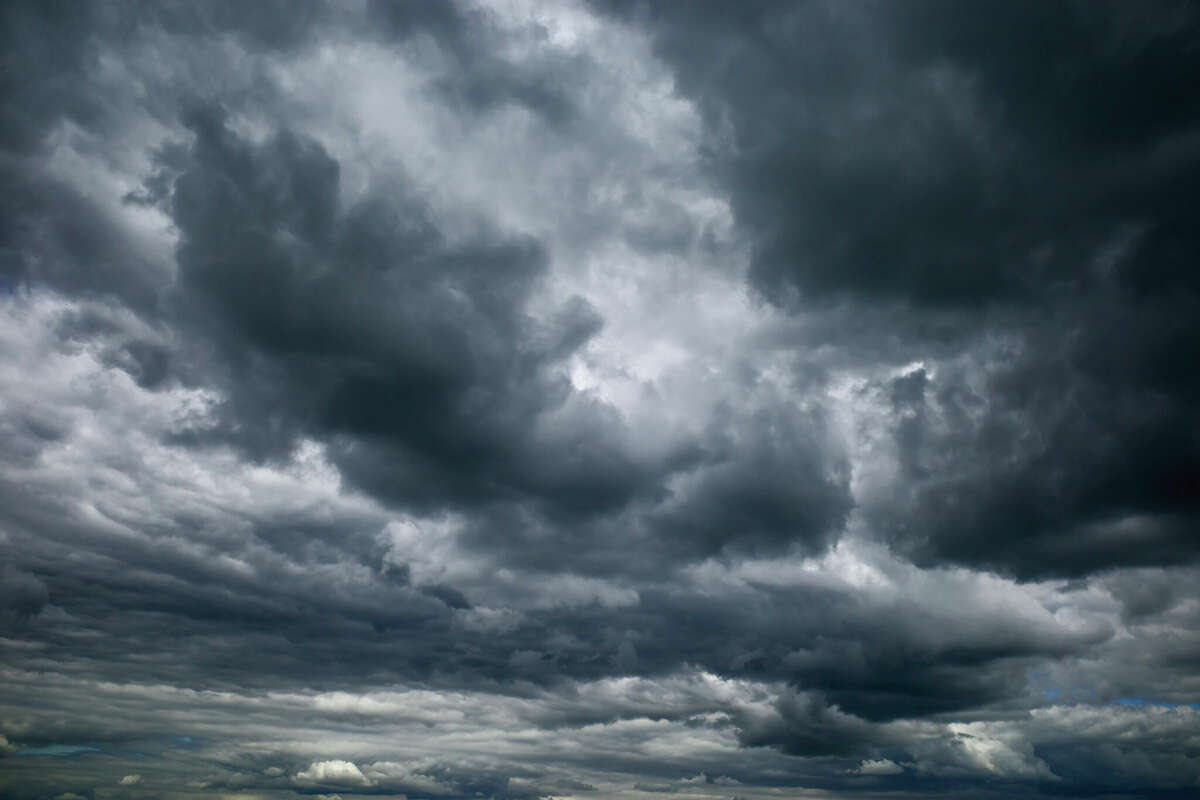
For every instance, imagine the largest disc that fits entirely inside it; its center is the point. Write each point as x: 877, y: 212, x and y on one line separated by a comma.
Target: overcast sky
x: 599, y: 399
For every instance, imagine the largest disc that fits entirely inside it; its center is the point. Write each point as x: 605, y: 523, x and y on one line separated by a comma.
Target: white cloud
x: 130, y: 780
x: 882, y: 766
x: 343, y: 773
x: 1002, y: 749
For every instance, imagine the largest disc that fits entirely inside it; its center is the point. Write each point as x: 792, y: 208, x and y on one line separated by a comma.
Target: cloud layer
x: 599, y: 399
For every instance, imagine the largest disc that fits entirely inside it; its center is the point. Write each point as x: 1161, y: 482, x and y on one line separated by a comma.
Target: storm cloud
x: 599, y: 399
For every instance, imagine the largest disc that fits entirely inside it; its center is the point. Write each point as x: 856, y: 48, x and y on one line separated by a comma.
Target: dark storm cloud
x: 928, y: 151
x: 49, y: 230
x: 412, y: 353
x: 416, y: 357
x: 1027, y: 164
x: 21, y: 594
x: 55, y: 85
x: 768, y: 479
x: 328, y: 473
x: 1061, y: 474
x: 415, y: 354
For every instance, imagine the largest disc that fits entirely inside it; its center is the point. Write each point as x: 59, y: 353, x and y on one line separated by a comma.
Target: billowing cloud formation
x: 566, y: 399
x: 1000, y: 194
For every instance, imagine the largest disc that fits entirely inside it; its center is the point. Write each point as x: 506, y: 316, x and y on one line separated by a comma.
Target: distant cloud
x: 338, y: 773
x: 882, y: 766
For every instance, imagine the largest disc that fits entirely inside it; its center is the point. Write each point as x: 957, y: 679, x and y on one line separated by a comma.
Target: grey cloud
x: 414, y: 355
x: 935, y: 160
x: 766, y: 484
x: 851, y: 131
x: 443, y: 402
x: 56, y: 237
x: 806, y: 725
x: 21, y: 594
x: 1030, y: 475
x: 459, y: 400
x: 412, y: 352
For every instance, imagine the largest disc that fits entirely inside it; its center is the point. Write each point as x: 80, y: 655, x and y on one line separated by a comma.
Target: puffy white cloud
x: 334, y: 773
x: 879, y: 766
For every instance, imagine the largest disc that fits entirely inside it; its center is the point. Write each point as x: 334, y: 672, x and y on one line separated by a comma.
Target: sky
x: 599, y: 399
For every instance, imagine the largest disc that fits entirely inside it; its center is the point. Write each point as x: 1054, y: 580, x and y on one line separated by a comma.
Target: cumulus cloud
x: 923, y: 188
x: 335, y: 773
